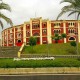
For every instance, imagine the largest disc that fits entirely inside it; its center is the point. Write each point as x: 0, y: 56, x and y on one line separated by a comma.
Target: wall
x: 58, y: 70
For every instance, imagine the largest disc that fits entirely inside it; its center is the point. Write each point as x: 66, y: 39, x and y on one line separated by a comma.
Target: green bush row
x: 9, y: 63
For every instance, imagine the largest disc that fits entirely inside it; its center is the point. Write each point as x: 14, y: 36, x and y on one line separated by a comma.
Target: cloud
x: 23, y: 10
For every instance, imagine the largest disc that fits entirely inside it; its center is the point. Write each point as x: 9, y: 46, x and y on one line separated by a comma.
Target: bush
x: 65, y: 62
x: 73, y: 43
x: 32, y: 41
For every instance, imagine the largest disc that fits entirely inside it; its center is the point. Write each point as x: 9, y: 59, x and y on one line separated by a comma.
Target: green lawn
x: 52, y: 49
x: 65, y: 62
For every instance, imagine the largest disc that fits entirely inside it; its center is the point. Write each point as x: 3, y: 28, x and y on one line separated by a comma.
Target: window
x: 18, y: 35
x: 27, y: 33
x: 10, y: 42
x: 44, y: 24
x: 57, y: 31
x: 11, y: 36
x: 19, y: 29
x: 71, y: 24
x: 71, y: 31
x: 35, y: 26
x: 44, y: 31
x: 10, y: 30
x: 28, y: 26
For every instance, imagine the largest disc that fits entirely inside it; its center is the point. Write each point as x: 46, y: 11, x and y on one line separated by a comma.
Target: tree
x: 63, y: 35
x: 4, y: 6
x: 57, y: 37
x: 73, y: 43
x: 32, y: 41
x: 72, y: 7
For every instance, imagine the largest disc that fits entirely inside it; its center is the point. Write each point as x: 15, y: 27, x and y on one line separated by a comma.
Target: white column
x: 3, y: 37
x: 40, y: 30
x: 79, y: 31
x: 14, y: 36
x: 30, y: 27
x: 64, y: 29
x: 24, y: 33
x: 7, y: 36
x: 49, y: 32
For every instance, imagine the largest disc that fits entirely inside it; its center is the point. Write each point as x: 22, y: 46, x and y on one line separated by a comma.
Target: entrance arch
x: 71, y: 39
x: 19, y: 42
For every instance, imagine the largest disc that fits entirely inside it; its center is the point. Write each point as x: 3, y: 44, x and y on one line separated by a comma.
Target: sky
x: 23, y: 10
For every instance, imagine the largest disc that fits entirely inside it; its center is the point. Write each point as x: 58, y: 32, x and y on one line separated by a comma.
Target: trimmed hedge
x: 9, y: 63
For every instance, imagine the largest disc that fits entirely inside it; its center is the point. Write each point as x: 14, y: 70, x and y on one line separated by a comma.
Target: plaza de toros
x: 43, y: 29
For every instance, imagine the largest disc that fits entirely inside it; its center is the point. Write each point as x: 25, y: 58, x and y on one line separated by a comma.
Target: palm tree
x: 4, y: 6
x: 72, y: 7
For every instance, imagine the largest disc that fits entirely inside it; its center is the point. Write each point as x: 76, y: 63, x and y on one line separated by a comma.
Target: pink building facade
x: 43, y: 29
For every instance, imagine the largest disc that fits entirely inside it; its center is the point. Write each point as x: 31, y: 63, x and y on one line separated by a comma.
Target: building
x: 43, y: 29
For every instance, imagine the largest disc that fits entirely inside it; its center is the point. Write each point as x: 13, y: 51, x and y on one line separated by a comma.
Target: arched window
x: 36, y: 34
x: 69, y: 31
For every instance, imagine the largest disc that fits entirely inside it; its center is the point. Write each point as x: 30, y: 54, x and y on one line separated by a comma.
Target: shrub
x: 32, y: 41
x: 73, y: 43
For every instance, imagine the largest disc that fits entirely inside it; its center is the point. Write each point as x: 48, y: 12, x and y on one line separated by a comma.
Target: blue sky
x: 23, y: 10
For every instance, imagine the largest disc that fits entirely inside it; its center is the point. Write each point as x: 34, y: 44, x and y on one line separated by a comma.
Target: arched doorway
x: 71, y: 39
x: 19, y: 42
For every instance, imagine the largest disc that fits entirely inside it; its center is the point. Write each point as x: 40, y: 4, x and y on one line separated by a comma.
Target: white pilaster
x: 79, y: 31
x: 40, y: 30
x: 7, y: 36
x: 49, y: 32
x: 64, y: 29
x: 24, y: 33
x: 14, y: 36
x: 30, y: 27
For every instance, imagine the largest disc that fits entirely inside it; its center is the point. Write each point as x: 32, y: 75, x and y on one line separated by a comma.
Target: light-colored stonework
x: 59, y: 70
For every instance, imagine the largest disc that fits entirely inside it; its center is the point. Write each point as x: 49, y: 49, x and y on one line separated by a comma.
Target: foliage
x: 32, y: 41
x: 72, y: 7
x: 4, y: 6
x: 73, y: 43
x: 64, y: 62
x: 57, y: 37
x: 63, y: 35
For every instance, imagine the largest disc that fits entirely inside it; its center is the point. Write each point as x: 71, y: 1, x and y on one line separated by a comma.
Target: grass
x: 68, y: 62
x: 52, y: 49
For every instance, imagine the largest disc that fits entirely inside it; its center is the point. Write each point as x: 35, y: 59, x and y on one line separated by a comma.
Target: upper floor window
x: 71, y: 31
x: 18, y: 35
x: 28, y: 33
x: 35, y: 26
x: 10, y: 30
x: 18, y: 29
x: 44, y: 31
x: 27, y: 26
x: 57, y: 24
x: 71, y: 24
x: 11, y: 36
x: 57, y: 31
